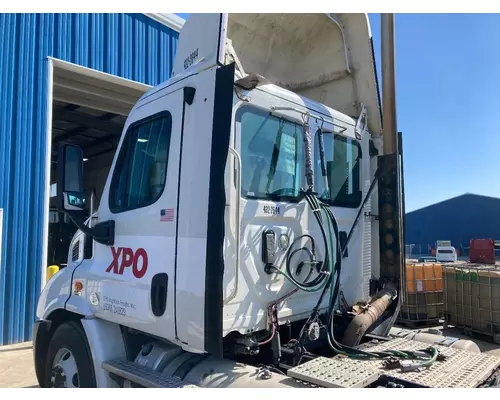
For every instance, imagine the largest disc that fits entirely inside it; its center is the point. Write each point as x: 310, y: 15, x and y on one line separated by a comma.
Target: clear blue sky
x: 448, y: 91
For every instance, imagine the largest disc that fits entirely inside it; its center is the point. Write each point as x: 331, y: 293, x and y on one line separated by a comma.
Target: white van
x: 446, y: 254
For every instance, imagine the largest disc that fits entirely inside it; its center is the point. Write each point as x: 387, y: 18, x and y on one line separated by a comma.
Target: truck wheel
x: 69, y: 362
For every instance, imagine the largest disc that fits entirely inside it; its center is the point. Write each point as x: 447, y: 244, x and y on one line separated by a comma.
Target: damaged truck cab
x: 252, y: 203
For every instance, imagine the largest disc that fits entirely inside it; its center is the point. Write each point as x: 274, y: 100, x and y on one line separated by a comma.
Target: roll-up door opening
x: 89, y: 109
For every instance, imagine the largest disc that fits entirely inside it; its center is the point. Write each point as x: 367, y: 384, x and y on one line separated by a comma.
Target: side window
x: 141, y: 169
x: 343, y: 159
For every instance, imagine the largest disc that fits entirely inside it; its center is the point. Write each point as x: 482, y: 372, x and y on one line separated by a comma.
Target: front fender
x: 55, y: 293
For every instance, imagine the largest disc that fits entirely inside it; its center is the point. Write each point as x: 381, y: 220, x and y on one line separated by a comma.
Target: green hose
x: 426, y: 357
x: 298, y: 285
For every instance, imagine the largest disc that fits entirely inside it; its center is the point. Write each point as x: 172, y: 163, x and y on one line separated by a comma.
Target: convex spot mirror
x: 70, y: 189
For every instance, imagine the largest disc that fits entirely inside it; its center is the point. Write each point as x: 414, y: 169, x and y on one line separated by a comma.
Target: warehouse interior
x: 89, y: 109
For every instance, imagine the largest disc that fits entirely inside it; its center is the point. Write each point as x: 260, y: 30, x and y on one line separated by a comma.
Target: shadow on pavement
x: 9, y: 350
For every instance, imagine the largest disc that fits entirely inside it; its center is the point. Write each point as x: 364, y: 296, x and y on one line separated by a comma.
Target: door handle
x: 159, y: 291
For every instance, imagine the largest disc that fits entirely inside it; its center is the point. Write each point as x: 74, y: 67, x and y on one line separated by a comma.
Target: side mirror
x: 71, y: 194
x: 70, y: 188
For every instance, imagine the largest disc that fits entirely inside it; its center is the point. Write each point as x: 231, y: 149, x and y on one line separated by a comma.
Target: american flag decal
x: 167, y: 214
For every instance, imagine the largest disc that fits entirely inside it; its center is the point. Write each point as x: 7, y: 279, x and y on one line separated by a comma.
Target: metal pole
x: 389, y: 122
x: 390, y: 204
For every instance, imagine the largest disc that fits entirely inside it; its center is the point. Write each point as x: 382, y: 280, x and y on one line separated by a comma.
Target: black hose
x: 312, y: 259
x: 312, y: 286
x: 316, y: 208
x: 356, y: 220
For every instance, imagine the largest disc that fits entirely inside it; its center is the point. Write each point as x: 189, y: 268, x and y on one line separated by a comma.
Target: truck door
x: 133, y: 280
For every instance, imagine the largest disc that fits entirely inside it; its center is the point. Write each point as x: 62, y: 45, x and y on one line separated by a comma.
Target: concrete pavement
x: 16, y: 366
x: 17, y: 370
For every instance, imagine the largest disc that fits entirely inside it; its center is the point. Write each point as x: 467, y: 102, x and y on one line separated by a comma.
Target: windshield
x: 272, y: 156
x: 272, y: 161
x: 342, y: 158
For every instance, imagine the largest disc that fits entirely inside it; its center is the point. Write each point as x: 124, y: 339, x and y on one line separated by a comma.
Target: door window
x: 141, y: 169
x: 343, y: 159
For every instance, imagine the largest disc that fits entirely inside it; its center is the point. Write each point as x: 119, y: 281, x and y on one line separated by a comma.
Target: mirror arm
x: 103, y: 232
x: 78, y: 221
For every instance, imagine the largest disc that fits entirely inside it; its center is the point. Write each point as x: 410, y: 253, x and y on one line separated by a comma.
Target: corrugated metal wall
x: 131, y: 46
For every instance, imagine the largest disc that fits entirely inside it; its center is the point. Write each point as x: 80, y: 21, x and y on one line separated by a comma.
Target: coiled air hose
x: 317, y: 283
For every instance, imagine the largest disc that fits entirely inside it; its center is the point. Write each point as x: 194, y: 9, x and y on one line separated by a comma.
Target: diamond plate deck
x: 143, y: 376
x: 461, y: 369
x: 335, y: 373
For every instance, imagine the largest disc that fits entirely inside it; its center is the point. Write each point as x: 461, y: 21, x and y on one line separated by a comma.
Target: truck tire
x: 69, y: 361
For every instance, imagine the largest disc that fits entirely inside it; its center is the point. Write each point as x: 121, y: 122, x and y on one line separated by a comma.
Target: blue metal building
x: 459, y: 219
x: 137, y: 47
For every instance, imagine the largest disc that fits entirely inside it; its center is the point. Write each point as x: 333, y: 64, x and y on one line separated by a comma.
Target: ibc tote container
x: 423, y: 297
x: 472, y: 298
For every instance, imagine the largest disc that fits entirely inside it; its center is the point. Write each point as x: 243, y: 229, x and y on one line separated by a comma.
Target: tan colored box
x: 472, y: 297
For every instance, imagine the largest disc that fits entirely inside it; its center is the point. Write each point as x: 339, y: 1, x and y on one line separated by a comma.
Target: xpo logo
x: 125, y: 257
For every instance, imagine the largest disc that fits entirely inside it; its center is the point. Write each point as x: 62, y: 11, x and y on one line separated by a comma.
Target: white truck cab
x: 235, y: 228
